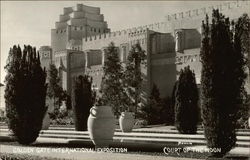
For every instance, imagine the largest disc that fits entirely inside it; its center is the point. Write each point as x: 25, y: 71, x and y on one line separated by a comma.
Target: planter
x: 127, y: 121
x: 46, y: 121
x: 101, y: 125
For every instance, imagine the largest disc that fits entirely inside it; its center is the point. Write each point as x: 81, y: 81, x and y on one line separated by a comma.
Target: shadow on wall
x: 187, y: 39
x: 163, y: 69
x: 192, y: 38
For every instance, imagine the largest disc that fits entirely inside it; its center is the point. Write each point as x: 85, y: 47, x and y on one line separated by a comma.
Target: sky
x: 30, y: 22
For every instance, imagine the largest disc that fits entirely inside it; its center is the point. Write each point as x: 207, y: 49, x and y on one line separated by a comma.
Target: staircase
x: 145, y: 136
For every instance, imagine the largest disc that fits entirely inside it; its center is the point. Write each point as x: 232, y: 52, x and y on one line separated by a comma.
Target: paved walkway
x: 82, y: 154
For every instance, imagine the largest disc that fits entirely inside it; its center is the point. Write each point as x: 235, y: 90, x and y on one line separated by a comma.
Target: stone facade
x: 45, y: 53
x: 66, y: 40
x: 70, y: 64
x: 74, y: 24
x: 81, y: 36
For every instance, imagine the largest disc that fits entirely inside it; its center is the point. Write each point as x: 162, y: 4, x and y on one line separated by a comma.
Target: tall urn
x: 101, y: 125
x: 127, y: 121
x: 248, y: 122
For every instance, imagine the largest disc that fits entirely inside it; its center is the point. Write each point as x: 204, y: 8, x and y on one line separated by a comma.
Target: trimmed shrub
x: 25, y: 93
x: 186, y: 102
x: 82, y: 101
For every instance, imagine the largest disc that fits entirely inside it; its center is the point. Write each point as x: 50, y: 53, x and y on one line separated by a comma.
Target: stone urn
x: 46, y: 121
x: 127, y: 121
x: 101, y: 125
x: 249, y: 122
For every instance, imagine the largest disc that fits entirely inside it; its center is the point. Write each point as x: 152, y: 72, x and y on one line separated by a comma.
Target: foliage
x: 82, y: 101
x: 54, y: 91
x: 186, y: 102
x: 152, y: 111
x: 66, y: 98
x: 112, y: 90
x: 133, y: 75
x: 243, y: 113
x: 158, y: 110
x: 3, y: 119
x: 2, y: 116
x: 244, y: 25
x: 25, y: 93
x: 61, y: 117
x: 173, y: 99
x: 140, y: 123
x: 223, y: 66
x: 167, y: 112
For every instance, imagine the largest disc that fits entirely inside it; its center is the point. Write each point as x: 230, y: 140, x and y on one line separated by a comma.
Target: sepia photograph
x: 121, y: 80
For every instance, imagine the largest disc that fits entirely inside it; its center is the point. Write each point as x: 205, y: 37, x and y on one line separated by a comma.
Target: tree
x: 67, y: 98
x: 83, y: 101
x: 243, y: 25
x: 25, y: 79
x: 61, y: 115
x: 112, y: 89
x: 186, y: 102
x: 173, y: 97
x: 152, y: 111
x: 222, y: 80
x: 133, y: 75
x: 54, y: 89
x: 243, y: 113
x: 167, y: 111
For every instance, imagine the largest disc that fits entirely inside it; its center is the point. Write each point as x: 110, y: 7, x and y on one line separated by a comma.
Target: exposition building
x: 81, y: 35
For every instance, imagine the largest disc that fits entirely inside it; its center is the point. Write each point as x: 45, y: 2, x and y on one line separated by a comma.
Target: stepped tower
x: 74, y: 24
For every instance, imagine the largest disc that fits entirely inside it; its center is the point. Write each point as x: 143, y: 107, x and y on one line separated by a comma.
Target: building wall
x: 94, y: 49
x: 162, y: 43
x: 59, y: 39
x: 164, y: 72
x: 192, y: 19
x: 93, y: 57
x: 161, y: 62
x: 96, y: 72
x: 45, y: 53
x: 170, y: 45
x: 191, y: 57
x: 77, y: 64
x: 76, y: 23
x: 70, y: 63
x: 159, y: 49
